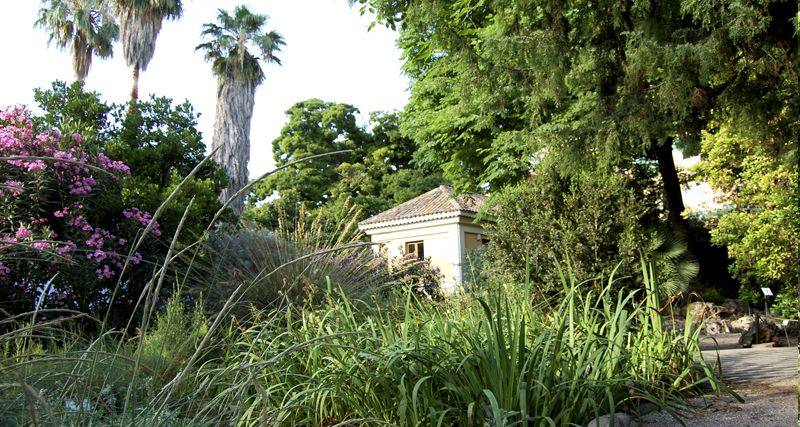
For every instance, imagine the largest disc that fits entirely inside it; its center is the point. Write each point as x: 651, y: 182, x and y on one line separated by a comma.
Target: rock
x: 731, y: 308
x: 765, y: 345
x: 677, y: 324
x: 743, y: 323
x: 717, y: 326
x: 767, y: 332
x: 619, y: 420
x: 699, y: 310
x: 713, y: 328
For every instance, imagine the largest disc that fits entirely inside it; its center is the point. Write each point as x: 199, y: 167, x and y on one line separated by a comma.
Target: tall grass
x: 493, y: 356
x: 299, y: 254
x: 489, y: 359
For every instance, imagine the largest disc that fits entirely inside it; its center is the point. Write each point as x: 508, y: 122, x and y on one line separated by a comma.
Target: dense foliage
x: 79, y: 217
x: 592, y: 218
x: 757, y: 180
x: 158, y: 140
x: 496, y: 84
x: 65, y: 234
x: 494, y: 357
x: 377, y: 173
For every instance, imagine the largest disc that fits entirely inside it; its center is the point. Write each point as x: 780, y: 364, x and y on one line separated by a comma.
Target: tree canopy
x: 232, y: 41
x: 158, y: 141
x: 497, y: 85
x: 378, y: 171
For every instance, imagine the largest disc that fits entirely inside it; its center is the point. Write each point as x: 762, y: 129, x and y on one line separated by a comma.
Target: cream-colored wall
x: 443, y: 239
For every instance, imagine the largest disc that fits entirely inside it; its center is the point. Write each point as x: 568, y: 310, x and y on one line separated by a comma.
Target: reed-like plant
x: 499, y: 355
x: 479, y: 359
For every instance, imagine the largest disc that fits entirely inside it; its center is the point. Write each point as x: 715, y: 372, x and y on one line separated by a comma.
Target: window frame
x: 419, y: 248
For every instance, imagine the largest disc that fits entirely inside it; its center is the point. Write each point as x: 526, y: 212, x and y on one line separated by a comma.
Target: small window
x: 416, y: 248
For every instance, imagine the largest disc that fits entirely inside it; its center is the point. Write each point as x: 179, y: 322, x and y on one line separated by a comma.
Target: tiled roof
x: 438, y: 200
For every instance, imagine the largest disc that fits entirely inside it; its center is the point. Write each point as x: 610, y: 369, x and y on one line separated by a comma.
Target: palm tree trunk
x: 235, y: 102
x: 135, y: 89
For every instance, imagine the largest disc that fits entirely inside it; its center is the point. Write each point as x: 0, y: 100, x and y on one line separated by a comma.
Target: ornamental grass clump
x: 301, y: 256
x: 496, y: 358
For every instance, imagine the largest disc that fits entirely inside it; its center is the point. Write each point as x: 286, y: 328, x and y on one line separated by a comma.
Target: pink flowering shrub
x: 60, y: 213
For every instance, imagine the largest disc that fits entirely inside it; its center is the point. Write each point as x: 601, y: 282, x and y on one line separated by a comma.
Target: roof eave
x: 415, y: 219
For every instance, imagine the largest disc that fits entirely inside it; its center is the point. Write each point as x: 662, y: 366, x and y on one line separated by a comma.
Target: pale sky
x: 329, y: 54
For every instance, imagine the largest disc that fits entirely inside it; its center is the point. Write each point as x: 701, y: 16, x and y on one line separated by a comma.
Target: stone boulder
x: 699, y: 310
x: 619, y: 420
x: 766, y: 332
x: 743, y: 323
x: 731, y: 308
x: 716, y: 326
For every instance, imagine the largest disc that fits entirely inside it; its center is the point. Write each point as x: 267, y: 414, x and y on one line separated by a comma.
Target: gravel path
x: 767, y: 380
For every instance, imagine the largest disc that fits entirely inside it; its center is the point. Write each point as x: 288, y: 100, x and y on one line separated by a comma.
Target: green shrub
x: 174, y: 336
x: 592, y: 219
x: 750, y: 296
x: 786, y: 304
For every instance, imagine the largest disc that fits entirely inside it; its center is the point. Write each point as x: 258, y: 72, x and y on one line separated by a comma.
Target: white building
x: 436, y: 225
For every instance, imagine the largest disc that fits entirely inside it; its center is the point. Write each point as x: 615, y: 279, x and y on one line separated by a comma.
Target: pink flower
x: 36, y: 165
x: 35, y: 220
x: 41, y: 246
x: 109, y: 164
x: 78, y: 138
x: 98, y: 255
x: 67, y: 248
x: 23, y: 233
x: 13, y: 187
x: 143, y: 218
x: 95, y: 240
x: 104, y: 273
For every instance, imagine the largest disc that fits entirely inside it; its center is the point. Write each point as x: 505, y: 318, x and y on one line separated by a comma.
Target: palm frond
x: 87, y: 27
x: 231, y: 40
x: 140, y: 23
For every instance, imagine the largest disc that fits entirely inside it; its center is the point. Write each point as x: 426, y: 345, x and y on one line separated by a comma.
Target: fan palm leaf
x: 86, y: 27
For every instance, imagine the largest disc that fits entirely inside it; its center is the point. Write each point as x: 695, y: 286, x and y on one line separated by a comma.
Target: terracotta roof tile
x: 438, y: 200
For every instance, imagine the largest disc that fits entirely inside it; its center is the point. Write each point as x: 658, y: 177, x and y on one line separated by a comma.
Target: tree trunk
x: 673, y: 199
x: 135, y: 89
x: 712, y: 260
x: 235, y: 102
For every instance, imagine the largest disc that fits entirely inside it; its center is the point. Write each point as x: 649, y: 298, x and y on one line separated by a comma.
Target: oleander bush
x: 64, y: 235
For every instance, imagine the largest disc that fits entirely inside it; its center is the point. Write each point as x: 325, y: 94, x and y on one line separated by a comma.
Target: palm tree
x: 140, y: 22
x: 230, y: 46
x: 86, y: 26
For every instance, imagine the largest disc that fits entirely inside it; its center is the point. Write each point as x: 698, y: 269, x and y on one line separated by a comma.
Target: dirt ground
x: 764, y: 406
x: 767, y: 380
